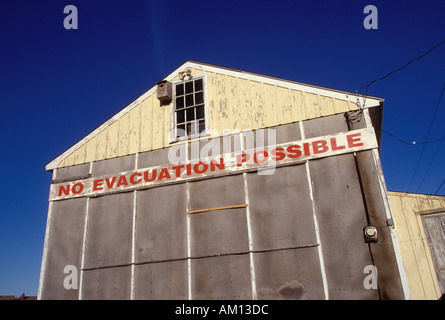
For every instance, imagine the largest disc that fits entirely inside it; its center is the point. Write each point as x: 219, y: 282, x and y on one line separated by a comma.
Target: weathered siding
x: 233, y: 103
x: 406, y: 209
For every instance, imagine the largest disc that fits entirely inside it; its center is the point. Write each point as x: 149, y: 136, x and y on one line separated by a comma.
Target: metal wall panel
x: 281, y: 209
x: 73, y: 172
x: 113, y: 165
x: 161, y: 281
x: 220, y: 232
x: 292, y: 274
x: 109, y: 230
x: 225, y: 277
x: 161, y: 227
x: 342, y: 217
x: 64, y: 247
x: 107, y: 284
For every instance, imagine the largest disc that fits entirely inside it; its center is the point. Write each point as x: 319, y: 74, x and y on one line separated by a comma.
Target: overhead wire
x: 402, y: 67
x: 437, y: 191
x: 431, y: 162
x: 427, y: 137
x: 366, y: 86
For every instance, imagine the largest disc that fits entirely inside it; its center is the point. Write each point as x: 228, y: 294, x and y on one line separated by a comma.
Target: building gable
x: 236, y: 100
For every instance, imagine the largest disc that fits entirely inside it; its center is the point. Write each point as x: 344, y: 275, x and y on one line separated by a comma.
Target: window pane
x: 189, y: 100
x: 198, y: 85
x: 200, y: 112
x: 189, y: 87
x: 189, y: 128
x: 190, y: 114
x: 179, y: 102
x: 179, y: 89
x: 202, y: 126
x: 199, y: 97
x: 180, y: 132
x: 180, y: 116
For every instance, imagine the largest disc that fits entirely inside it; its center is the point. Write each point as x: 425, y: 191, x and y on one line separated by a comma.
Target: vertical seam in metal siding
x: 189, y: 253
x: 82, y: 262
x: 133, y: 236
x: 249, y: 235
x: 314, y: 215
x: 189, y: 250
x: 249, y: 227
x: 384, y: 193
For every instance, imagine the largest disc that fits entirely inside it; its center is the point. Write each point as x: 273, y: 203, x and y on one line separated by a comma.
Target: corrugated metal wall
x: 419, y: 266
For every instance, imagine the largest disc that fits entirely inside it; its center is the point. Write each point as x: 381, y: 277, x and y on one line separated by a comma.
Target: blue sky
x: 58, y: 85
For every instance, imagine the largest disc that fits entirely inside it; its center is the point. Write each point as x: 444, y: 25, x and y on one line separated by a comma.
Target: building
x: 420, y: 224
x: 224, y: 184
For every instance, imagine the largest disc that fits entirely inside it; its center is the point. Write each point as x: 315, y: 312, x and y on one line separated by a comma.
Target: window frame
x: 174, y: 126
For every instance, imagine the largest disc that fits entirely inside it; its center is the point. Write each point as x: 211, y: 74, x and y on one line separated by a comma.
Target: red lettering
x: 278, y: 154
x: 189, y: 169
x: 65, y: 190
x: 334, y: 145
x: 97, y: 185
x: 178, y: 170
x: 265, y: 155
x: 307, y: 152
x: 319, y: 146
x: 242, y: 158
x: 110, y: 183
x: 220, y: 165
x: 122, y: 181
x: 354, y: 140
x: 293, y: 151
x: 164, y: 174
x: 152, y: 178
x: 200, y: 171
x: 133, y: 180
x: 77, y: 188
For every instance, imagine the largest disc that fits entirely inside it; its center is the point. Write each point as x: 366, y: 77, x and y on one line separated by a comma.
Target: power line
x: 414, y: 143
x: 431, y: 162
x: 427, y: 136
x: 439, y: 187
x: 398, y: 69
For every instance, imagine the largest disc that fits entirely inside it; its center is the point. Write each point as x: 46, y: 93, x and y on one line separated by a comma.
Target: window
x: 189, y: 108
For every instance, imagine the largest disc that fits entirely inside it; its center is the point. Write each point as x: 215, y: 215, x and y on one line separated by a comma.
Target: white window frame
x: 174, y: 127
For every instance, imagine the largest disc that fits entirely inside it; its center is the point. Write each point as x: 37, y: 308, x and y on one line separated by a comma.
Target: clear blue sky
x: 57, y: 85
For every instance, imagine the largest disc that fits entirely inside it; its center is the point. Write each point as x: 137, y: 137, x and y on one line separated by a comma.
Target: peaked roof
x: 361, y: 100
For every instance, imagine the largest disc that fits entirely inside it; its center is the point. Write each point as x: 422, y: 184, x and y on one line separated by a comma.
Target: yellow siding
x: 416, y: 254
x: 123, y: 135
x: 113, y: 140
x: 214, y: 117
x: 233, y: 103
x: 245, y: 95
x: 135, y: 129
x: 102, y: 144
x: 146, y: 123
